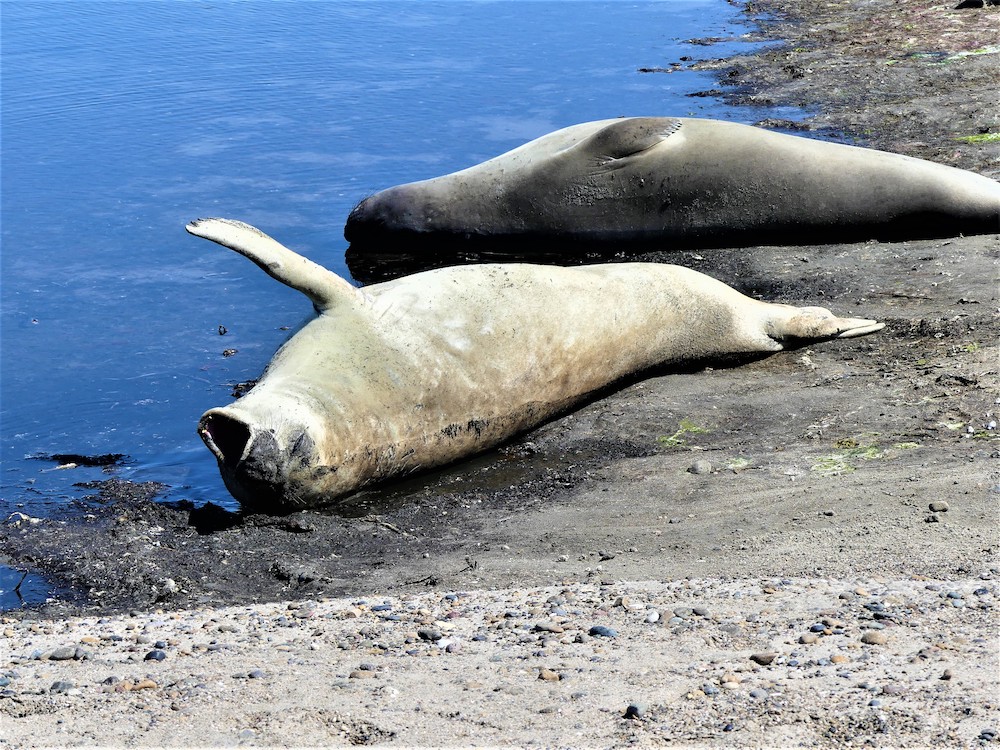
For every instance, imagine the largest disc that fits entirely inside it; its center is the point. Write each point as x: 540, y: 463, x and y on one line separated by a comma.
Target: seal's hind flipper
x: 818, y: 324
x: 631, y: 136
x: 323, y: 287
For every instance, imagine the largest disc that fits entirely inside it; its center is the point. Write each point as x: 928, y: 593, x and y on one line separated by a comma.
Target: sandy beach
x: 797, y: 551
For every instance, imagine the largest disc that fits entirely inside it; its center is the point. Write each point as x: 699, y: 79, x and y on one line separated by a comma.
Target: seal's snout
x: 256, y: 461
x: 402, y: 210
x: 365, y: 221
x: 226, y: 436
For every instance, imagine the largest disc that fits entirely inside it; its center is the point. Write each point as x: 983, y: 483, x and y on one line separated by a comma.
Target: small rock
x: 362, y: 674
x: 62, y: 686
x: 636, y: 710
x: 700, y: 467
x: 548, y: 675
x: 549, y: 627
x: 763, y: 658
x: 874, y: 638
x: 808, y: 638
x: 947, y: 675
x: 61, y: 654
x: 938, y: 506
x: 652, y: 616
x: 700, y: 611
x: 758, y: 693
x: 603, y: 631
x: 840, y: 659
x: 155, y: 655
x: 429, y: 634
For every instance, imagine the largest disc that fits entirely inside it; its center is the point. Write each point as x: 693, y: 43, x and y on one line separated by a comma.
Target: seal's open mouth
x: 225, y: 436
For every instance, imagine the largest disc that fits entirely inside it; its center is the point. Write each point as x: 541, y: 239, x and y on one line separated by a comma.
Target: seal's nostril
x: 227, y: 437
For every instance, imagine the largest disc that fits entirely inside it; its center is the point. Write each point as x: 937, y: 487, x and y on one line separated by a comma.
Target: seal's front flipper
x: 631, y: 136
x: 817, y: 324
x: 322, y: 286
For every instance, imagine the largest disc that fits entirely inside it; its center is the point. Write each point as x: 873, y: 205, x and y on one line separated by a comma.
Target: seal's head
x: 262, y: 465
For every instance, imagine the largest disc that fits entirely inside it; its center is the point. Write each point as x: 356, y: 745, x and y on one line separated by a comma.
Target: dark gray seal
x: 677, y: 182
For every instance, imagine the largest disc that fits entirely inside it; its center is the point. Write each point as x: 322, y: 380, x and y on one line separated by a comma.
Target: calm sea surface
x: 122, y: 121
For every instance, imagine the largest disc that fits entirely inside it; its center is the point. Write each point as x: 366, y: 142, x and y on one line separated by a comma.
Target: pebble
x: 549, y: 627
x: 763, y: 658
x: 759, y: 693
x: 63, y: 686
x: 808, y: 638
x: 840, y: 659
x: 874, y: 638
x: 603, y: 631
x: 429, y: 634
x: 652, y: 616
x: 700, y: 611
x: 636, y: 710
x: 700, y: 467
x: 61, y: 654
x: 155, y: 655
x: 729, y: 680
x: 548, y: 675
x: 938, y: 506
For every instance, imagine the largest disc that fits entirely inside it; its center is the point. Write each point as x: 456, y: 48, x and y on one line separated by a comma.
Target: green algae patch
x: 852, y: 452
x: 679, y: 438
x: 979, y: 138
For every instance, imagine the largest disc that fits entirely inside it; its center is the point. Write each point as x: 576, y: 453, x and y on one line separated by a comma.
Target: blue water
x: 122, y: 121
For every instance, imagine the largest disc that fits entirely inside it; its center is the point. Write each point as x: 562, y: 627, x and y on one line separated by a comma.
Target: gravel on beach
x: 745, y: 661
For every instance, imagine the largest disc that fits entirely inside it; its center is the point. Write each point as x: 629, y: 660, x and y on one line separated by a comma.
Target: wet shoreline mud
x: 859, y: 465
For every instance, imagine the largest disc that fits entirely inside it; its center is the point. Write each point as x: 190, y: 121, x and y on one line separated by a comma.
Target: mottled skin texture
x: 675, y: 181
x: 420, y: 371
